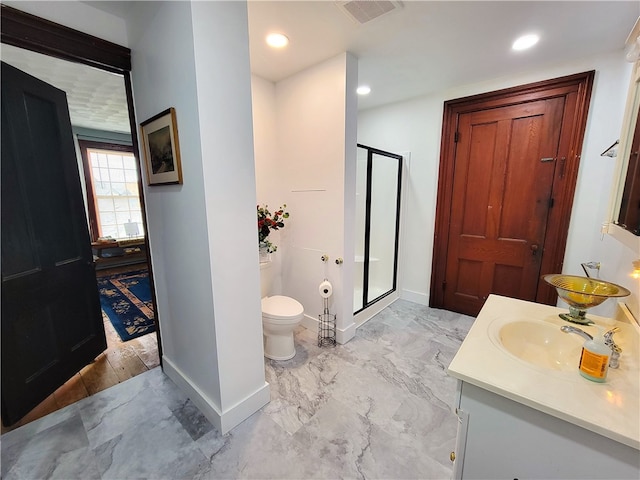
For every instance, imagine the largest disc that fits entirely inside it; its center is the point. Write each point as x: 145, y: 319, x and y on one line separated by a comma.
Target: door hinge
x: 444, y: 285
x: 456, y: 137
x: 551, y: 202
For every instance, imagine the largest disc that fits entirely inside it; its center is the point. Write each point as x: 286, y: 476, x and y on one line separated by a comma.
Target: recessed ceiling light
x: 524, y: 42
x: 277, y: 40
x: 363, y: 90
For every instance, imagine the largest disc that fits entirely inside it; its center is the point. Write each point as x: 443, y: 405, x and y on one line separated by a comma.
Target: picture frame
x: 162, y: 149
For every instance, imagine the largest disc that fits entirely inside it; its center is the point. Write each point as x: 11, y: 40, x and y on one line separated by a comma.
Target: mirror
x: 629, y: 213
x: 624, y: 218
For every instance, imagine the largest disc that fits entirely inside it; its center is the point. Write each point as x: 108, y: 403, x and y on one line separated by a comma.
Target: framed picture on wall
x: 161, y: 148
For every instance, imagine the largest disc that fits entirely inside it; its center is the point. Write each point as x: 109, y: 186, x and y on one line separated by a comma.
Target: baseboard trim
x: 343, y: 335
x: 310, y: 323
x: 223, y: 421
x: 371, y: 311
x: 415, y: 297
x: 242, y: 410
x: 207, y: 406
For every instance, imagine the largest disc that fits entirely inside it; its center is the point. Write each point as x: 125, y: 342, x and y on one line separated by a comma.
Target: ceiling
x: 96, y: 98
x: 418, y: 48
x: 427, y: 46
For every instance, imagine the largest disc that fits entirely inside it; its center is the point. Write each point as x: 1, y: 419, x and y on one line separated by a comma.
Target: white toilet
x: 280, y: 316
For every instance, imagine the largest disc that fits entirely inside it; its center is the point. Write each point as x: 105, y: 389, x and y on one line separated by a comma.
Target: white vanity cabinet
x: 526, y: 419
x: 504, y: 439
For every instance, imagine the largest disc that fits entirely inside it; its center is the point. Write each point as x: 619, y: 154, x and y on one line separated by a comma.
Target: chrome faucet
x: 614, y: 359
x: 591, y: 266
x: 570, y: 329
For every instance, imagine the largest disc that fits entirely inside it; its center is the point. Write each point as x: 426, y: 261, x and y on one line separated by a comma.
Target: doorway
x: 120, y: 362
x: 508, y: 169
x: 31, y: 33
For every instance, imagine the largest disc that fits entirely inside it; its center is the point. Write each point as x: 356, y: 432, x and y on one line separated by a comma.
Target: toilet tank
x: 266, y: 276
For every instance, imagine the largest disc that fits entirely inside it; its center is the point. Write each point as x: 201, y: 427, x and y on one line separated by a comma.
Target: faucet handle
x: 608, y: 338
x: 614, y: 360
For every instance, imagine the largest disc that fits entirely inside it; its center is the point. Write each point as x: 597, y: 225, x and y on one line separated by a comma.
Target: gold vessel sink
x: 582, y: 293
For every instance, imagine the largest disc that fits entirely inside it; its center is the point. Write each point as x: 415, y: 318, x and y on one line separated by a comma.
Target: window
x: 113, y: 196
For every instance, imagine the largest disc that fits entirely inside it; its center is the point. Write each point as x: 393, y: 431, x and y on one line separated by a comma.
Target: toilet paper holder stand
x: 326, y: 327
x: 326, y: 320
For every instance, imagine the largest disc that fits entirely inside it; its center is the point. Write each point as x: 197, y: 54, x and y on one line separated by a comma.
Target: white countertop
x: 611, y: 409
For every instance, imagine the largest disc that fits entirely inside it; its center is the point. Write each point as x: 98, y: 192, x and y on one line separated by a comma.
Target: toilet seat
x: 280, y: 307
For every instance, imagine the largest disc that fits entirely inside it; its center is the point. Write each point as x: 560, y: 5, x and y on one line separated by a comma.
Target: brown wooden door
x: 508, y: 170
x: 51, y: 319
x: 505, y: 163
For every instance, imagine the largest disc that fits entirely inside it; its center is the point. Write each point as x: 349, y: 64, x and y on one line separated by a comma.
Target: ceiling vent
x: 366, y: 10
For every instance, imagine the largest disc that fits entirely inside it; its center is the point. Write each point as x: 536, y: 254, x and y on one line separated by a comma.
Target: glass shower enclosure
x: 378, y: 184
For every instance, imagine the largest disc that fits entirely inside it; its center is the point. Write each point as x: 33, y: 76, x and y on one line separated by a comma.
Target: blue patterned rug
x: 126, y: 299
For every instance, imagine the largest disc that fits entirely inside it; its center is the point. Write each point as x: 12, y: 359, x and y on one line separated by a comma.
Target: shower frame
x: 371, y: 151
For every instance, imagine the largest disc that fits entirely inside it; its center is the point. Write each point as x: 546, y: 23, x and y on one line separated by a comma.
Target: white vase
x: 265, y: 256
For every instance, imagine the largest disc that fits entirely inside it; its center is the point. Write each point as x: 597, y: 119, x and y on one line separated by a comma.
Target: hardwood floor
x: 119, y: 362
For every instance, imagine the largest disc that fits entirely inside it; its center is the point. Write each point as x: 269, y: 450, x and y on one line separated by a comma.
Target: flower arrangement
x: 267, y: 222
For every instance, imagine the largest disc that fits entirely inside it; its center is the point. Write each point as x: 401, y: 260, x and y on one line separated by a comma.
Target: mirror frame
x: 626, y: 138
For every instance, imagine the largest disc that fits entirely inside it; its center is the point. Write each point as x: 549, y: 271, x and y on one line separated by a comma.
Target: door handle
x: 534, y: 249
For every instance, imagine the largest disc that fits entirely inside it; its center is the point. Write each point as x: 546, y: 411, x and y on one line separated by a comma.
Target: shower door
x: 378, y: 182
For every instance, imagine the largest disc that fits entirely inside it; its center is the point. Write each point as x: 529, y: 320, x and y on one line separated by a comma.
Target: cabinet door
x: 457, y: 456
x: 507, y: 440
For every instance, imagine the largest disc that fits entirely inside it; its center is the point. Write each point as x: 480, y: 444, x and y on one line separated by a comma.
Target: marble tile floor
x: 379, y: 406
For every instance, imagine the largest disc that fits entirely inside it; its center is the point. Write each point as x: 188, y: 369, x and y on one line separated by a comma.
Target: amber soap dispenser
x: 594, y: 360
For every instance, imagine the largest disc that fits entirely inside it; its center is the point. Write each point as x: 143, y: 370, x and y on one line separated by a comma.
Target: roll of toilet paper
x: 325, y: 289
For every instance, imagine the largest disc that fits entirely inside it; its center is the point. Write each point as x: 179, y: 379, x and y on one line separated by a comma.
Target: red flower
x: 266, y: 223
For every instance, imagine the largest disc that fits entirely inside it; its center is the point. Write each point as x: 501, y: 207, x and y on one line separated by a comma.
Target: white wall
x: 270, y: 190
x: 595, y: 182
x: 309, y: 168
x: 194, y: 57
x: 347, y: 324
x: 416, y: 126
x: 221, y: 40
x: 411, y: 126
